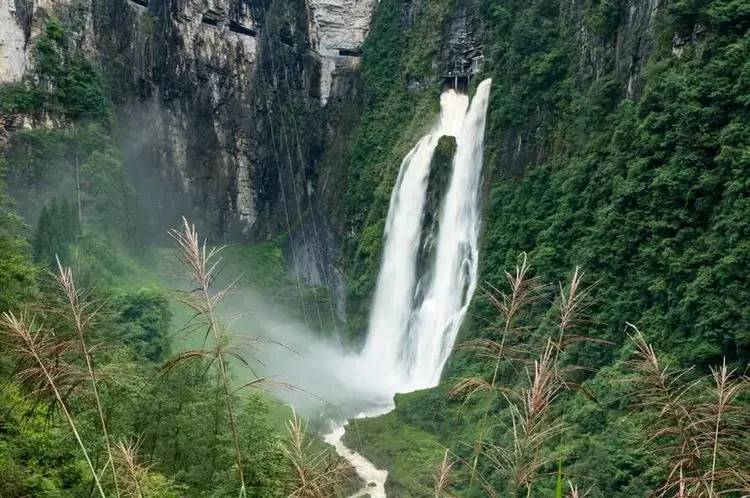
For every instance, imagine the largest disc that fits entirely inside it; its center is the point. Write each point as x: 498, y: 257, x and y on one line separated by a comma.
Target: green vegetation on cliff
x: 632, y: 165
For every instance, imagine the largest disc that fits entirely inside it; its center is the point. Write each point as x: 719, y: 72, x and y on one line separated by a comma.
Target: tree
x: 143, y: 320
x: 56, y: 229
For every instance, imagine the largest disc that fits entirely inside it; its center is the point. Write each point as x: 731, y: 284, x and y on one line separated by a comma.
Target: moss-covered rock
x: 441, y: 169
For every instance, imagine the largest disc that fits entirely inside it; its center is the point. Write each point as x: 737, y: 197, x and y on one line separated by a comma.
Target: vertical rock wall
x: 199, y: 85
x: 219, y: 108
x: 12, y: 42
x: 338, y: 29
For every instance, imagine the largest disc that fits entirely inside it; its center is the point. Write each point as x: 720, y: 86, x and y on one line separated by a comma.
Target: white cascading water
x: 392, y: 305
x: 410, y: 340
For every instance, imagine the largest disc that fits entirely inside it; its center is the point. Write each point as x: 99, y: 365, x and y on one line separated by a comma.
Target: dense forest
x: 605, y: 352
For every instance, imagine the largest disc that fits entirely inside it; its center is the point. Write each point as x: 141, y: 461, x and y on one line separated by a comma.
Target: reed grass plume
x: 82, y: 313
x: 444, y: 476
x: 316, y: 472
x: 530, y: 423
x: 44, y: 371
x: 133, y: 472
x: 696, y: 424
x: 202, y: 264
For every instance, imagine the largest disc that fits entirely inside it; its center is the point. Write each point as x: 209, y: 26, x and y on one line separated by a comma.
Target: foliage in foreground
x: 144, y: 424
x: 513, y: 416
x: 317, y: 473
x: 692, y: 425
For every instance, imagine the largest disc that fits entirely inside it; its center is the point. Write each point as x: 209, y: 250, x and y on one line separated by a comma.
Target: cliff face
x: 12, y: 43
x: 608, y: 46
x: 219, y: 102
x: 338, y: 29
x: 221, y: 108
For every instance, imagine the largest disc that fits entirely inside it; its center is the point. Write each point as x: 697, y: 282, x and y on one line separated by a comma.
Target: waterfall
x: 392, y: 305
x: 411, y: 333
x: 416, y: 312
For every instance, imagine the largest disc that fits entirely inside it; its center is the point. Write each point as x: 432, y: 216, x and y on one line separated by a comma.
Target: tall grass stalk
x: 531, y: 423
x: 572, y: 306
x: 524, y: 291
x: 43, y: 369
x: 559, y: 487
x: 443, y: 476
x: 202, y: 264
x: 699, y: 424
x: 82, y: 314
x: 133, y: 472
x: 575, y: 491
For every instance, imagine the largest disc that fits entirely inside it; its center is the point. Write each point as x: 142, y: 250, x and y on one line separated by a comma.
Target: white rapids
x: 373, y: 477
